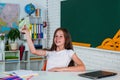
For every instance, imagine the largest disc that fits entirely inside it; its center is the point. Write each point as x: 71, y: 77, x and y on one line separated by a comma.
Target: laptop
x: 97, y: 74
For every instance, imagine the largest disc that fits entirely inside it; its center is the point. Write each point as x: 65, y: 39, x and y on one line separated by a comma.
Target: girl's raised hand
x: 25, y: 30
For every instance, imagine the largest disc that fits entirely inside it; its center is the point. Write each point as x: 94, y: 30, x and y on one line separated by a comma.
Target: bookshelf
x: 24, y: 62
x: 38, y: 32
x: 29, y: 60
x: 38, y: 26
x: 11, y: 61
x: 37, y: 61
x: 39, y: 29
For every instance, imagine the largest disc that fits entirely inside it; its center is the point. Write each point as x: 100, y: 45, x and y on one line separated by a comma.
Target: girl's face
x: 59, y: 38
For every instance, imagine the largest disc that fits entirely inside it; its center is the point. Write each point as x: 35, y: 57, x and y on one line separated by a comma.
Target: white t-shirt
x: 58, y: 58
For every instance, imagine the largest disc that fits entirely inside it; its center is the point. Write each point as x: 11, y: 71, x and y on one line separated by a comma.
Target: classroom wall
x: 54, y: 18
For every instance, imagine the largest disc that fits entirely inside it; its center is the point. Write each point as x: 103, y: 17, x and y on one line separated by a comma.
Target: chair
x: 44, y: 65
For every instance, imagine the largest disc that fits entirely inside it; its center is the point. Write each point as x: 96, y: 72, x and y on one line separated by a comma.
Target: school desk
x: 44, y: 75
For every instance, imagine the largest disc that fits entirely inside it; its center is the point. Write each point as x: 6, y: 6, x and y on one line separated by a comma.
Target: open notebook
x: 98, y: 74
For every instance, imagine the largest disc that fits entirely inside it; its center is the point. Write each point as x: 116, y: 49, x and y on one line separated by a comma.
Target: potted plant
x: 13, y: 35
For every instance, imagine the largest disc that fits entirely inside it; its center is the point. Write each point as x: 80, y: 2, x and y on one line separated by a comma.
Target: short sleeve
x: 71, y: 52
x: 47, y: 52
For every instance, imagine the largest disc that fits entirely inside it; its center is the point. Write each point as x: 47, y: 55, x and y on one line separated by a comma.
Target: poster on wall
x: 9, y: 16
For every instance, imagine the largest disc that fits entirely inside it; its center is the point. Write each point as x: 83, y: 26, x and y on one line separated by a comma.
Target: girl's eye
x: 56, y: 36
x: 61, y: 36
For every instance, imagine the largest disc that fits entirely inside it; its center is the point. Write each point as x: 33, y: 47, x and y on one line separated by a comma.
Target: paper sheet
x: 23, y: 73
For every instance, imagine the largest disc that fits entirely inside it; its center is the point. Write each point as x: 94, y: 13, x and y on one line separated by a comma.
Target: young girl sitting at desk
x: 60, y: 54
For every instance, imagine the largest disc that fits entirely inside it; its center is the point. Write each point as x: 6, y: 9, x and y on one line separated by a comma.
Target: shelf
x: 11, y: 57
x: 35, y: 60
x: 1, y: 61
x: 12, y: 61
x: 11, y: 51
x: 24, y: 61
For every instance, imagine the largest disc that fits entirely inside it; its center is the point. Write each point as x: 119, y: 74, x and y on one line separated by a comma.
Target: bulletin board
x: 91, y: 21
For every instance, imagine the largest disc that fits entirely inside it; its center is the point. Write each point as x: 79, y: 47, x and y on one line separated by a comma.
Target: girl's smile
x: 59, y: 39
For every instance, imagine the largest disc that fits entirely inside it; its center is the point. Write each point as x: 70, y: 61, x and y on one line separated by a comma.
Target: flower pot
x: 14, y: 46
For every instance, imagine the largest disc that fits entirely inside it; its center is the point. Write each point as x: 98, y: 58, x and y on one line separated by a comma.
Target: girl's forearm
x: 68, y: 69
x: 30, y: 44
x: 32, y: 48
x: 73, y: 69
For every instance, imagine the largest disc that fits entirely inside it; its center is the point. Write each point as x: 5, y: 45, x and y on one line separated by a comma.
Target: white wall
x: 97, y: 59
x: 54, y: 18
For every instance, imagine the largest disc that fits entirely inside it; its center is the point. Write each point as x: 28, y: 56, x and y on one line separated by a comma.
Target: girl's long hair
x: 68, y: 42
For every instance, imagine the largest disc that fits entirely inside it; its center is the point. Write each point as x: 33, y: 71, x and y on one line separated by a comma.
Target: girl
x: 60, y: 54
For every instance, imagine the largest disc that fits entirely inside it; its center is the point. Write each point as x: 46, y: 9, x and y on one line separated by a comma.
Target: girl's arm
x: 79, y: 66
x: 30, y: 43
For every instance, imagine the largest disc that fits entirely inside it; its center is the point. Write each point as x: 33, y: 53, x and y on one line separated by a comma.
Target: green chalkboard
x: 91, y: 21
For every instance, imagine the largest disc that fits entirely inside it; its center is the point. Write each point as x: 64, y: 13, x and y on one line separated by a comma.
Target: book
x: 36, y: 58
x: 98, y: 74
x: 11, y: 61
x: 11, y: 57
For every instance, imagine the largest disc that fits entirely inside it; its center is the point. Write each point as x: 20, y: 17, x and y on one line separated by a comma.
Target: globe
x: 30, y: 8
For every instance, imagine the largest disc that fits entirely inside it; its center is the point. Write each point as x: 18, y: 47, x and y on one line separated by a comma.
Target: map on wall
x: 9, y: 15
